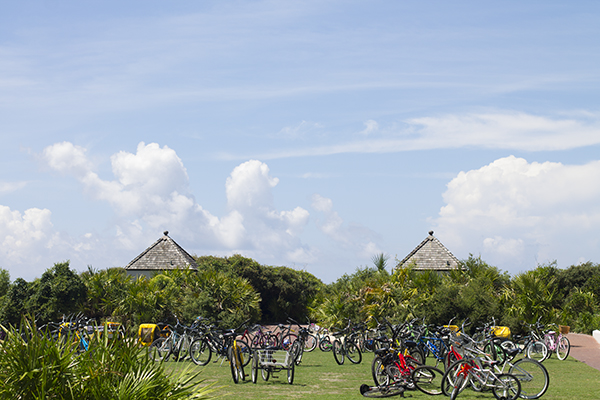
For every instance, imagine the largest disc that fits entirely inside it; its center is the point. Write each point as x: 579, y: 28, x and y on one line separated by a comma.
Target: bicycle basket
x: 501, y: 331
x: 564, y: 329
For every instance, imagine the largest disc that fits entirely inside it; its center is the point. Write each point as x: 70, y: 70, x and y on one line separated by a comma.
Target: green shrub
x: 36, y: 366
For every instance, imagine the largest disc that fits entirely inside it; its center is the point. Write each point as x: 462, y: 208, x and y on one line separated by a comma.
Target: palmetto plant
x: 35, y: 366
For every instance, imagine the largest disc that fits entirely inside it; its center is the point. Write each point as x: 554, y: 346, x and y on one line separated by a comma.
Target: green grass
x: 319, y: 377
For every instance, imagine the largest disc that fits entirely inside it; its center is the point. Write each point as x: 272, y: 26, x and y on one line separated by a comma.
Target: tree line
x: 231, y: 290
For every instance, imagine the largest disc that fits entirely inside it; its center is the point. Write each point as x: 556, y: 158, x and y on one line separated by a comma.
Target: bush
x: 35, y: 366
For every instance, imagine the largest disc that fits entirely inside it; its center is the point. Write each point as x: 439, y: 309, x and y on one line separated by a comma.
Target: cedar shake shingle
x: 432, y: 255
x: 164, y: 254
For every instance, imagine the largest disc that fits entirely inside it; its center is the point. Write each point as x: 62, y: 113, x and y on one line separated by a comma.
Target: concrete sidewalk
x: 585, y: 349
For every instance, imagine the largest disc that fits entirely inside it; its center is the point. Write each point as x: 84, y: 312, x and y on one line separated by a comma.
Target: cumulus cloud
x: 150, y: 193
x: 518, y: 214
x: 25, y: 237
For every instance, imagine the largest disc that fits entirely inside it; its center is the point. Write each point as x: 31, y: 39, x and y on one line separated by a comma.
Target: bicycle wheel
x: 456, y: 376
x: 200, y: 352
x: 537, y: 351
x: 506, y: 387
x: 380, y: 377
x: 533, y: 376
x: 296, y: 352
x: 290, y: 373
x: 265, y: 373
x: 325, y: 344
x: 160, y: 349
x: 240, y: 365
x: 310, y: 343
x: 353, y: 353
x: 338, y: 352
x: 417, y: 354
x: 381, y: 391
x: 495, y: 350
x: 245, y: 352
x: 428, y: 379
x: 254, y: 367
x: 450, y: 359
x: 183, y: 348
x: 288, y: 340
x: 233, y: 364
x: 563, y: 347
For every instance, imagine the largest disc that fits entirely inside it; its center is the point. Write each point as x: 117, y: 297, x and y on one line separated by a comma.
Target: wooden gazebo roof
x: 430, y: 255
x: 162, y: 255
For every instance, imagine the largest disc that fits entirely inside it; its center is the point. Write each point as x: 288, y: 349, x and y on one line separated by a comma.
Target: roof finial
x: 431, y: 233
x: 166, y: 233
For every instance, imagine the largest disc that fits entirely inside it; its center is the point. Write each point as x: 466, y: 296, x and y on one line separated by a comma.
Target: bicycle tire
x: 451, y: 380
x: 254, y: 367
x: 160, y: 349
x: 381, y: 391
x: 325, y: 344
x: 533, y: 376
x: 296, y: 352
x: 509, y: 389
x: 183, y: 348
x: 378, y: 372
x: 310, y: 343
x: 265, y: 373
x: 417, y: 354
x: 200, y: 352
x: 245, y: 350
x: 233, y: 365
x: 460, y: 383
x: 287, y: 341
x: 338, y: 352
x: 428, y: 379
x: 537, y: 351
x: 353, y: 353
x: 495, y: 350
x: 563, y: 348
x: 290, y: 373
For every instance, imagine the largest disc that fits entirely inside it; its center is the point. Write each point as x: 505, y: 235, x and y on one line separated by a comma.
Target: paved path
x: 585, y: 349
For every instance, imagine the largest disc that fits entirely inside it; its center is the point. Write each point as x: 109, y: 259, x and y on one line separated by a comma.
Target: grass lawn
x: 319, y: 377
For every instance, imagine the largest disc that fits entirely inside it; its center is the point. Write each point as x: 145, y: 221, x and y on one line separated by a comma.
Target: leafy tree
x: 105, y: 291
x: 532, y: 295
x: 15, y: 302
x: 284, y: 292
x: 220, y: 297
x: 59, y: 291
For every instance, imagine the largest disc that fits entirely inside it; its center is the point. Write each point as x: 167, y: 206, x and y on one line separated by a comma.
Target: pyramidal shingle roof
x: 431, y: 254
x: 164, y: 254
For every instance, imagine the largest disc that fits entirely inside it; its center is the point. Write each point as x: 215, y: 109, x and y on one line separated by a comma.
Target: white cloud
x: 359, y: 240
x: 494, y: 130
x: 520, y: 213
x: 9, y: 187
x: 371, y: 126
x: 25, y: 237
x: 150, y: 193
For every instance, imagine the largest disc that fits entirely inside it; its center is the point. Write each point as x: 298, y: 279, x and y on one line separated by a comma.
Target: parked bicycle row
x: 446, y: 360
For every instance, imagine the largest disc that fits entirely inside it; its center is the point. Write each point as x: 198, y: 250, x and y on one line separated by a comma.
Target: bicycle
x: 343, y: 349
x: 174, y: 341
x: 472, y: 371
x: 556, y: 342
x: 211, y: 340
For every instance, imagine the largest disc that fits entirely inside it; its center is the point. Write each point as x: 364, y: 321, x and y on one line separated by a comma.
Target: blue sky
x: 310, y: 134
